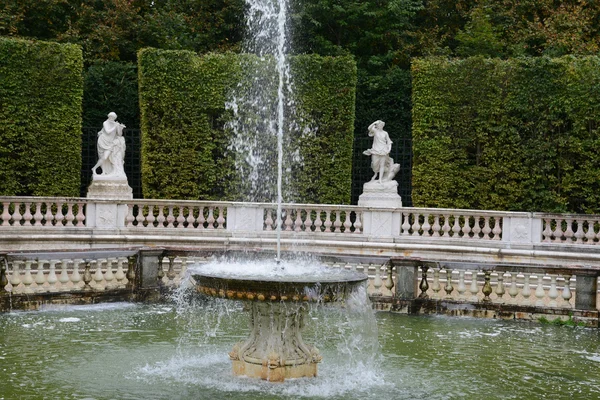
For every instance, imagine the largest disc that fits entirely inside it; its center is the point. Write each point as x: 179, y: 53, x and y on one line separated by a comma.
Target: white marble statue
x: 381, y: 162
x: 111, y: 149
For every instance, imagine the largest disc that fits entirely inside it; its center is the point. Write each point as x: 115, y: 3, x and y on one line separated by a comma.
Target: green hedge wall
x: 517, y: 134
x: 40, y: 108
x: 185, y: 146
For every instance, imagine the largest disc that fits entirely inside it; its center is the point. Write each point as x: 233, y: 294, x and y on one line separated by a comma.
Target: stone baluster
x: 487, y: 287
x: 190, y: 219
x: 579, y: 234
x: 183, y: 271
x: 328, y: 222
x: 160, y: 218
x: 446, y: 227
x: 308, y: 222
x: 347, y: 223
x: 569, y: 231
x: 171, y: 274
x: 16, y: 215
x: 486, y: 228
x: 5, y: 214
x: 405, y: 224
x: 377, y: 282
x: 461, y: 288
x: 288, y: 220
x: 15, y: 277
x: 389, y: 281
x: 298, y: 221
x: 513, y: 291
x: 3, y: 278
x: 426, y: 225
x: 59, y: 217
x: 120, y: 274
x: 52, y: 278
x: 337, y: 223
x: 170, y: 217
x: 140, y: 218
x: 40, y: 278
x: 466, y: 229
x: 436, y: 226
x: 130, y: 275
x: 474, y: 289
x: 27, y: 278
x: 160, y: 274
x: 539, y: 290
x: 415, y: 225
x: 50, y: 219
x: 436, y: 287
x: 566, y: 292
x: 201, y: 218
x: 27, y: 216
x: 358, y: 222
x: 318, y: 221
x: 98, y: 277
x: 553, y: 292
x: 448, y: 288
x: 109, y: 277
x: 526, y: 292
x: 590, y: 235
x: 221, y: 218
x: 456, y: 227
x: 497, y: 229
x: 150, y: 218
x: 180, y: 218
x: 547, y: 232
x: 64, y: 275
x: 269, y: 220
x: 70, y: 217
x: 500, y: 288
x: 211, y: 218
x: 75, y: 276
x: 476, y: 228
x: 80, y: 217
x: 37, y: 215
x: 129, y: 218
x: 87, y: 277
x: 424, y: 285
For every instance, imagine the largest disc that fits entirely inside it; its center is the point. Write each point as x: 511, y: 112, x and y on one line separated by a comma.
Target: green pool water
x: 126, y: 351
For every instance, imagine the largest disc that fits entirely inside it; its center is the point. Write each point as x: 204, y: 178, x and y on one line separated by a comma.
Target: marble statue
x: 381, y: 162
x: 111, y: 149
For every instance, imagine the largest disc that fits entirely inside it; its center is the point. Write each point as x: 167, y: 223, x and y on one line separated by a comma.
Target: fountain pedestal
x: 275, y: 350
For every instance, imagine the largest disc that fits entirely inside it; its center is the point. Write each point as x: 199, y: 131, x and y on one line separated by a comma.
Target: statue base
x: 109, y: 188
x: 380, y: 194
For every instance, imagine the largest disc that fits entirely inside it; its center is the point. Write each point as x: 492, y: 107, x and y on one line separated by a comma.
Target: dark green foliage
x: 110, y: 86
x: 40, y: 108
x: 518, y: 134
x: 184, y: 144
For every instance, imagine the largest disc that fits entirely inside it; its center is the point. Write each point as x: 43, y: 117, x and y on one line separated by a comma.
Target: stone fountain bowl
x: 319, y: 288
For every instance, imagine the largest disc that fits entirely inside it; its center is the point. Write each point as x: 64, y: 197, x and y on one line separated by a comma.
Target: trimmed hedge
x: 41, y: 92
x: 185, y: 145
x: 517, y: 134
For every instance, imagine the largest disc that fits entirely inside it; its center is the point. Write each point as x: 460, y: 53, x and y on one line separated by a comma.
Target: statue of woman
x: 111, y: 148
x: 381, y: 163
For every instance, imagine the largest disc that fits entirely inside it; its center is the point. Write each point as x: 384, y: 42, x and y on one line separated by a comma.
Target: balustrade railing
x: 464, y: 224
x: 571, y: 229
x: 68, y: 272
x: 42, y: 211
x: 315, y: 218
x: 176, y: 214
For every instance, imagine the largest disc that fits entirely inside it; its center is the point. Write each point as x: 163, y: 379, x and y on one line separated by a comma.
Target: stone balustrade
x: 42, y: 211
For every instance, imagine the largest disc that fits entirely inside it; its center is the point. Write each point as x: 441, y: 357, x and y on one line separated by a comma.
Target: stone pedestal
x: 380, y: 194
x: 275, y: 350
x: 107, y: 214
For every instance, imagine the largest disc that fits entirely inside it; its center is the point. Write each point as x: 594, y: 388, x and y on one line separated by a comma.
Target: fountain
x: 275, y: 295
